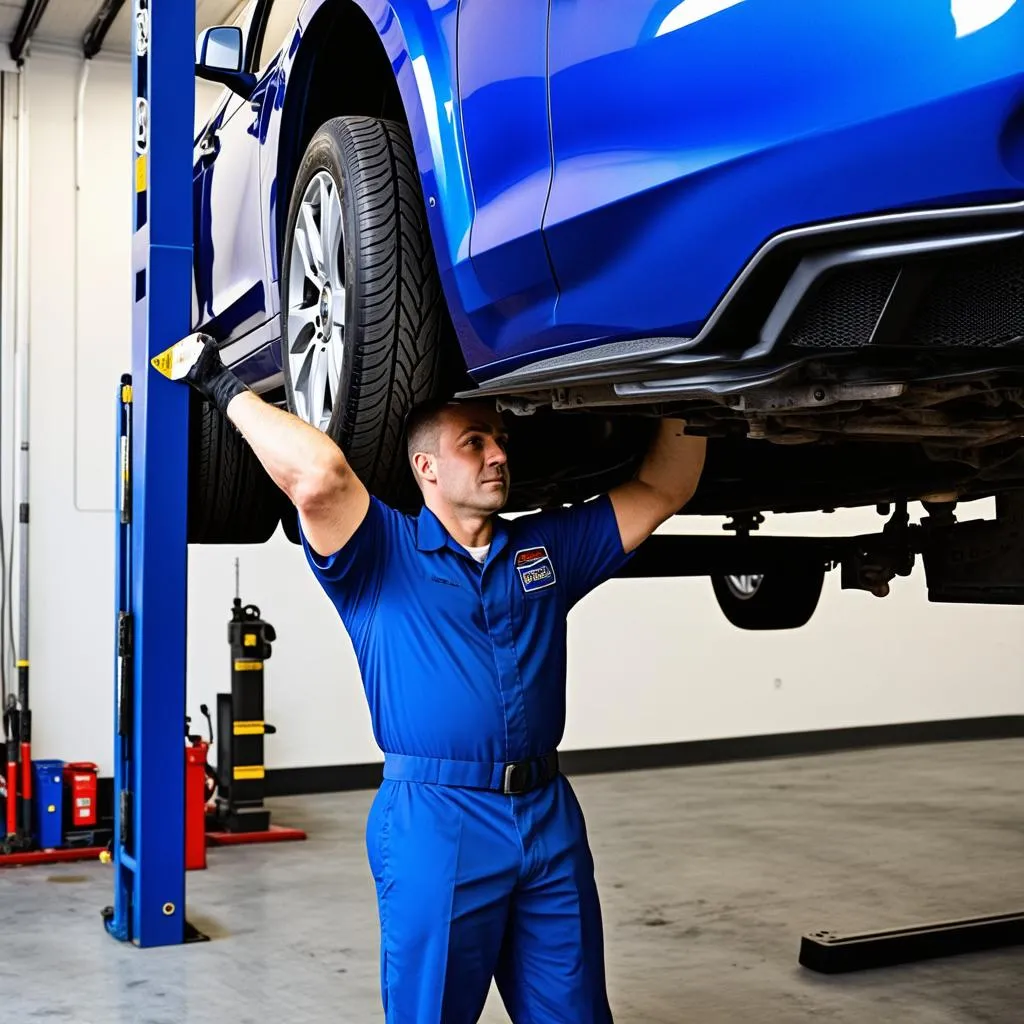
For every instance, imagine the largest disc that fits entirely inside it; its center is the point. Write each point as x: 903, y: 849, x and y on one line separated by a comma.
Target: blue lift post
x: 149, y: 829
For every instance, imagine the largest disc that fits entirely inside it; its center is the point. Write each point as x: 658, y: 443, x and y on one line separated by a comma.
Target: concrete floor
x: 709, y: 877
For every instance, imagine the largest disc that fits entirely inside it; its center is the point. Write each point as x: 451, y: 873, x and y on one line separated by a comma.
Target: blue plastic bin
x: 48, y: 779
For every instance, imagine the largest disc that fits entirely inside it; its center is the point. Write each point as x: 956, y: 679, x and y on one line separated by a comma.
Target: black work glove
x: 212, y: 379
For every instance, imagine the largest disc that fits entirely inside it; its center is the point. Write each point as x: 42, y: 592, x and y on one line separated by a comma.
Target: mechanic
x: 458, y: 618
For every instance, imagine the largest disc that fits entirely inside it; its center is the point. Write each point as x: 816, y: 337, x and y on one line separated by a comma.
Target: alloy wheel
x: 744, y: 587
x: 315, y: 302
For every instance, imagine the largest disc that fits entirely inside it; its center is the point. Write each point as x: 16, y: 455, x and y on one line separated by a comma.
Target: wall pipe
x: 19, y: 746
x: 79, y: 159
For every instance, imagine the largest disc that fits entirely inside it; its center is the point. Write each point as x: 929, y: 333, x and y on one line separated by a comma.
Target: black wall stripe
x: 342, y: 777
x: 339, y: 778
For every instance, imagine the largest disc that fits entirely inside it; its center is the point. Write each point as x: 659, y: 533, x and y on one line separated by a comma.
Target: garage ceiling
x: 64, y: 22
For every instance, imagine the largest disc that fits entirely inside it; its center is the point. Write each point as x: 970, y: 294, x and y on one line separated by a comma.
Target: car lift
x: 149, y: 771
x: 148, y: 844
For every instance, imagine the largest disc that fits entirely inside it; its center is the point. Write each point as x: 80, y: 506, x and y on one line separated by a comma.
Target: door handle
x: 209, y: 144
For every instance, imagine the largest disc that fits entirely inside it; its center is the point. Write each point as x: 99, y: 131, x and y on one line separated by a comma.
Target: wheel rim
x: 316, y: 302
x: 744, y: 587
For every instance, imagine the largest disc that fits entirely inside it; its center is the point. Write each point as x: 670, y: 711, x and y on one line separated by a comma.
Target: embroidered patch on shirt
x: 441, y: 579
x: 535, y: 569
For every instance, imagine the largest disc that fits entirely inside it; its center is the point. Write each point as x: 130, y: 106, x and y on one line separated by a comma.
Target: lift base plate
x: 831, y: 953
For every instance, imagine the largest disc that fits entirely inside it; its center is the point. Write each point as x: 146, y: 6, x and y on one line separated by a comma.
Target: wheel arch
x: 382, y: 59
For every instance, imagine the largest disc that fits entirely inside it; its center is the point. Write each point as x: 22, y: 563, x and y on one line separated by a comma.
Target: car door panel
x: 227, y: 165
x: 230, y: 293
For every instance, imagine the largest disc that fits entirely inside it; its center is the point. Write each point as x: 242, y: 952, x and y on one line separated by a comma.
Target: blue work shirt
x: 461, y: 660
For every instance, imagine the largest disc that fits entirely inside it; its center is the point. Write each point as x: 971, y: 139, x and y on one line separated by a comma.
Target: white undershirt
x: 480, y: 554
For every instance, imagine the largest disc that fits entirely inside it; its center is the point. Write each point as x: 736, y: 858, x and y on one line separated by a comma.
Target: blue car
x: 800, y: 225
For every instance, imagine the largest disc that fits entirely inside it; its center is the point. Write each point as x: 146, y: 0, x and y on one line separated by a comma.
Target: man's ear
x: 425, y: 466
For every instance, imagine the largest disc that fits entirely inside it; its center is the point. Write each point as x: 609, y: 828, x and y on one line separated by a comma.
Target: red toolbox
x: 195, y: 806
x: 80, y: 792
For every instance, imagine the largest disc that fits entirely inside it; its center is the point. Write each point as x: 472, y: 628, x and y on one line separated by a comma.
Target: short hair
x: 422, y: 426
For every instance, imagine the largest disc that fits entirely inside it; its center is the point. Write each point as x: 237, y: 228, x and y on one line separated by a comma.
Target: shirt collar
x: 432, y: 536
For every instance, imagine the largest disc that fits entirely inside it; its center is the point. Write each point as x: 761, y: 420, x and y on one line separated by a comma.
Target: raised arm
x: 665, y: 482
x: 308, y: 466
x: 304, y: 462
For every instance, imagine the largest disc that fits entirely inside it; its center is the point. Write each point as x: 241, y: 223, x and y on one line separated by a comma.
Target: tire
x: 777, y: 601
x: 231, y: 500
x: 290, y: 521
x: 387, y: 355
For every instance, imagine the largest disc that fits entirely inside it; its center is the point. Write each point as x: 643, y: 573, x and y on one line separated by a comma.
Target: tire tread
x: 397, y: 317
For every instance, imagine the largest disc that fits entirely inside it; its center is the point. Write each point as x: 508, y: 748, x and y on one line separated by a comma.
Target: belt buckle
x: 509, y: 786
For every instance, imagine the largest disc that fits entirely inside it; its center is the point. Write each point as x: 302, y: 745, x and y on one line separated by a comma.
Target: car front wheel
x: 362, y: 312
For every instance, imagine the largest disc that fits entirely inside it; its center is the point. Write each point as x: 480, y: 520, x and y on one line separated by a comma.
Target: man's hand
x: 211, y: 378
x: 665, y: 482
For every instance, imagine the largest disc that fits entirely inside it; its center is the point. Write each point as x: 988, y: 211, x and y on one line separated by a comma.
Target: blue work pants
x: 474, y: 885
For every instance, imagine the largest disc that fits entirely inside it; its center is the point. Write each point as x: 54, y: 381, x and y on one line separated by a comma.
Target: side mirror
x: 219, y: 58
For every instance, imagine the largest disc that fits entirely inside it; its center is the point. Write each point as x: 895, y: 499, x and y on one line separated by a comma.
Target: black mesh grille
x: 978, y: 304
x: 844, y: 308
x: 974, y: 302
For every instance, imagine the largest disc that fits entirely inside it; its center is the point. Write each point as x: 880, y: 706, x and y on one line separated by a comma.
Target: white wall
x: 676, y: 670
x: 650, y: 661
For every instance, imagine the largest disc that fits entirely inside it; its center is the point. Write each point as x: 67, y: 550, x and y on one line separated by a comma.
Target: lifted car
x: 803, y: 232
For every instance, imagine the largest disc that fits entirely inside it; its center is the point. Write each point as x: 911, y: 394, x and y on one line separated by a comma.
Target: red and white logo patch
x: 535, y: 569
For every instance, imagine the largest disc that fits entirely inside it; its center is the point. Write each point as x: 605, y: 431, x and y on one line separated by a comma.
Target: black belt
x: 513, y: 778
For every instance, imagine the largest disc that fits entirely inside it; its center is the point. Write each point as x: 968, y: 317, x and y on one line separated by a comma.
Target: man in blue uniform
x: 458, y: 619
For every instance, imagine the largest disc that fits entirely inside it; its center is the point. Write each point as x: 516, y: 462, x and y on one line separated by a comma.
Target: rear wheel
x: 774, y: 601
x: 231, y: 500
x: 362, y: 313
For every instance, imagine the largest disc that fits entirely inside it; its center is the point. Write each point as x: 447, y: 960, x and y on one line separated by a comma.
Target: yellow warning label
x: 175, y: 362
x: 249, y: 640
x: 249, y: 771
x: 126, y: 393
x: 164, y: 362
x: 247, y: 666
x: 249, y: 728
x: 140, y: 173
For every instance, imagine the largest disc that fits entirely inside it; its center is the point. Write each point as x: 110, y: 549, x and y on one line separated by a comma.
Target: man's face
x: 471, y: 465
